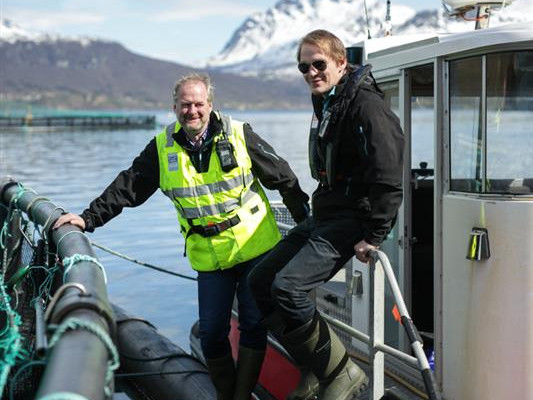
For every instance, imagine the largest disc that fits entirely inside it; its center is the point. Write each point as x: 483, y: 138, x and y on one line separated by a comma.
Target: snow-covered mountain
x: 88, y: 73
x: 11, y: 33
x: 265, y: 44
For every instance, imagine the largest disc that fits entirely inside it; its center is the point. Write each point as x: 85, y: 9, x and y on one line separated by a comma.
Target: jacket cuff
x: 373, y: 241
x: 89, y: 224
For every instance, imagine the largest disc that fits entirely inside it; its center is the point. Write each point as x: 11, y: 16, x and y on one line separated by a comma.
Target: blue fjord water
x: 72, y: 167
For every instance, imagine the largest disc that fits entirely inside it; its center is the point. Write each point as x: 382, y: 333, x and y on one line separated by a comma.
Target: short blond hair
x: 194, y: 77
x: 327, y: 42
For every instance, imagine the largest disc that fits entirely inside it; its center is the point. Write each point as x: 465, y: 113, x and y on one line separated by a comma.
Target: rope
x: 125, y: 257
x: 11, y: 208
x: 76, y: 323
x: 68, y: 233
x: 10, y: 338
x: 76, y: 258
x: 20, y: 192
x: 57, y: 295
x: 32, y: 202
x: 46, y: 284
x: 17, y: 374
x: 50, y: 216
x: 10, y: 341
x: 63, y: 396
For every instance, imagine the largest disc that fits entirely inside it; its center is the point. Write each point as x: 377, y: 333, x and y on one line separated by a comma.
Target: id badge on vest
x: 172, y: 161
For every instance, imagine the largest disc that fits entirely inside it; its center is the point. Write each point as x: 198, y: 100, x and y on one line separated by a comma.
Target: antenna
x: 367, y: 23
x: 388, y: 22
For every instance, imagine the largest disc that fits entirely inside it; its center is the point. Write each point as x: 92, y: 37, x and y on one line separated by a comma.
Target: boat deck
x: 279, y: 369
x: 393, y: 388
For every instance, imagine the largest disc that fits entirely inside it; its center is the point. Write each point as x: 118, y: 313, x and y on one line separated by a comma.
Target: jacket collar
x: 214, y: 127
x: 318, y: 101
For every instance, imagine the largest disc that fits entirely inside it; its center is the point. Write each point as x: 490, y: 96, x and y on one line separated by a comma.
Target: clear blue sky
x: 177, y: 30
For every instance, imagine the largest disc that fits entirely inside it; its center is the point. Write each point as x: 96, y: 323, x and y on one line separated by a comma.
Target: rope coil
x: 68, y: 262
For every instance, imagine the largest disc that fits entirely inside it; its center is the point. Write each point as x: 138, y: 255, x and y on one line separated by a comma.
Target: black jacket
x: 133, y: 186
x: 367, y: 145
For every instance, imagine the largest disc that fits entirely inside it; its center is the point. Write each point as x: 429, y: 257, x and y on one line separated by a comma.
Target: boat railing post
x: 376, y: 330
x: 379, y: 258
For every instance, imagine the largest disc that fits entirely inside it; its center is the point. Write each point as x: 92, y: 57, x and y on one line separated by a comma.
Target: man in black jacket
x: 210, y: 167
x: 356, y: 154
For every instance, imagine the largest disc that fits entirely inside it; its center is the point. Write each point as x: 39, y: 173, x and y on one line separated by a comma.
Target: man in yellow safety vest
x: 211, y: 166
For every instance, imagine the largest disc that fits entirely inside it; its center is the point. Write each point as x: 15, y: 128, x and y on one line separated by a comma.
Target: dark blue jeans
x: 311, y: 254
x: 216, y: 291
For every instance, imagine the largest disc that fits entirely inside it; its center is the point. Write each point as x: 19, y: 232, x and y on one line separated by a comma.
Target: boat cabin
x: 462, y: 248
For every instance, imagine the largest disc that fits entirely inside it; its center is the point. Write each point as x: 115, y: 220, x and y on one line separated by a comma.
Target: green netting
x: 25, y: 276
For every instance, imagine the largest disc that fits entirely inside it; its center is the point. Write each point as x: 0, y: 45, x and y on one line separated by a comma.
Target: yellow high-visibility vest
x: 214, y: 198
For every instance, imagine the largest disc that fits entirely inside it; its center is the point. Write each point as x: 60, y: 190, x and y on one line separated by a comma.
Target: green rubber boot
x: 316, y: 345
x: 349, y: 382
x: 307, y: 387
x: 248, y: 369
x: 222, y: 373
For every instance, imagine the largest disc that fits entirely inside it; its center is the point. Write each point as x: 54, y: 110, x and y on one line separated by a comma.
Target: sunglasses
x: 319, y: 65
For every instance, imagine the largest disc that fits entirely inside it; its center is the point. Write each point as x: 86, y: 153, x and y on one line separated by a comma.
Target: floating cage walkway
x: 107, y: 121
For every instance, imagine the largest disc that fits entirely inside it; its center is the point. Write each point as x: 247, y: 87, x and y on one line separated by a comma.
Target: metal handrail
x: 379, y: 258
x: 380, y: 268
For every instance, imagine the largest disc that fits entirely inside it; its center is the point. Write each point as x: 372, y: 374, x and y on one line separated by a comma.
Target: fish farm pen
x: 113, y: 121
x: 60, y: 336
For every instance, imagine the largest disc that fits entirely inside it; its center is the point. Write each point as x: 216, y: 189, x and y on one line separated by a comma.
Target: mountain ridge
x: 265, y: 44
x: 255, y: 69
x: 89, y: 73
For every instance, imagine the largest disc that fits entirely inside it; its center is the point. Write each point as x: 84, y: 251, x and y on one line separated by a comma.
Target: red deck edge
x: 279, y: 375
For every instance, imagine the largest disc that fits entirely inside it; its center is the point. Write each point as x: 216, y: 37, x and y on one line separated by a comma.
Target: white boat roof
x: 395, y: 52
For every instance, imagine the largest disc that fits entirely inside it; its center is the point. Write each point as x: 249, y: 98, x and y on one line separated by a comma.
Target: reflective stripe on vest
x: 211, y: 209
x: 212, y: 197
x: 210, y: 187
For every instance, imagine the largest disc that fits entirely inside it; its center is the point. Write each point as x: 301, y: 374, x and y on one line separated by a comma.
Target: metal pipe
x: 410, y: 328
x: 406, y: 358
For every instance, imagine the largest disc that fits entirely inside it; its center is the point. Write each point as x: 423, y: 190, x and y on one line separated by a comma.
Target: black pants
x: 308, y: 256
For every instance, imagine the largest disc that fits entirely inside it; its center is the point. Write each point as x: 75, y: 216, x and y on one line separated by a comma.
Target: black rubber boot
x: 248, y: 369
x: 316, y: 345
x: 222, y: 373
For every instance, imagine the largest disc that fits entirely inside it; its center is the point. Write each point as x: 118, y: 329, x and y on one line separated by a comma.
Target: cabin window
x: 509, y: 122
x: 465, y: 127
x: 422, y: 117
x: 491, y: 109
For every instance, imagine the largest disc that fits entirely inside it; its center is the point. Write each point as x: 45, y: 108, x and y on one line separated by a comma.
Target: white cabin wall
x: 488, y: 305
